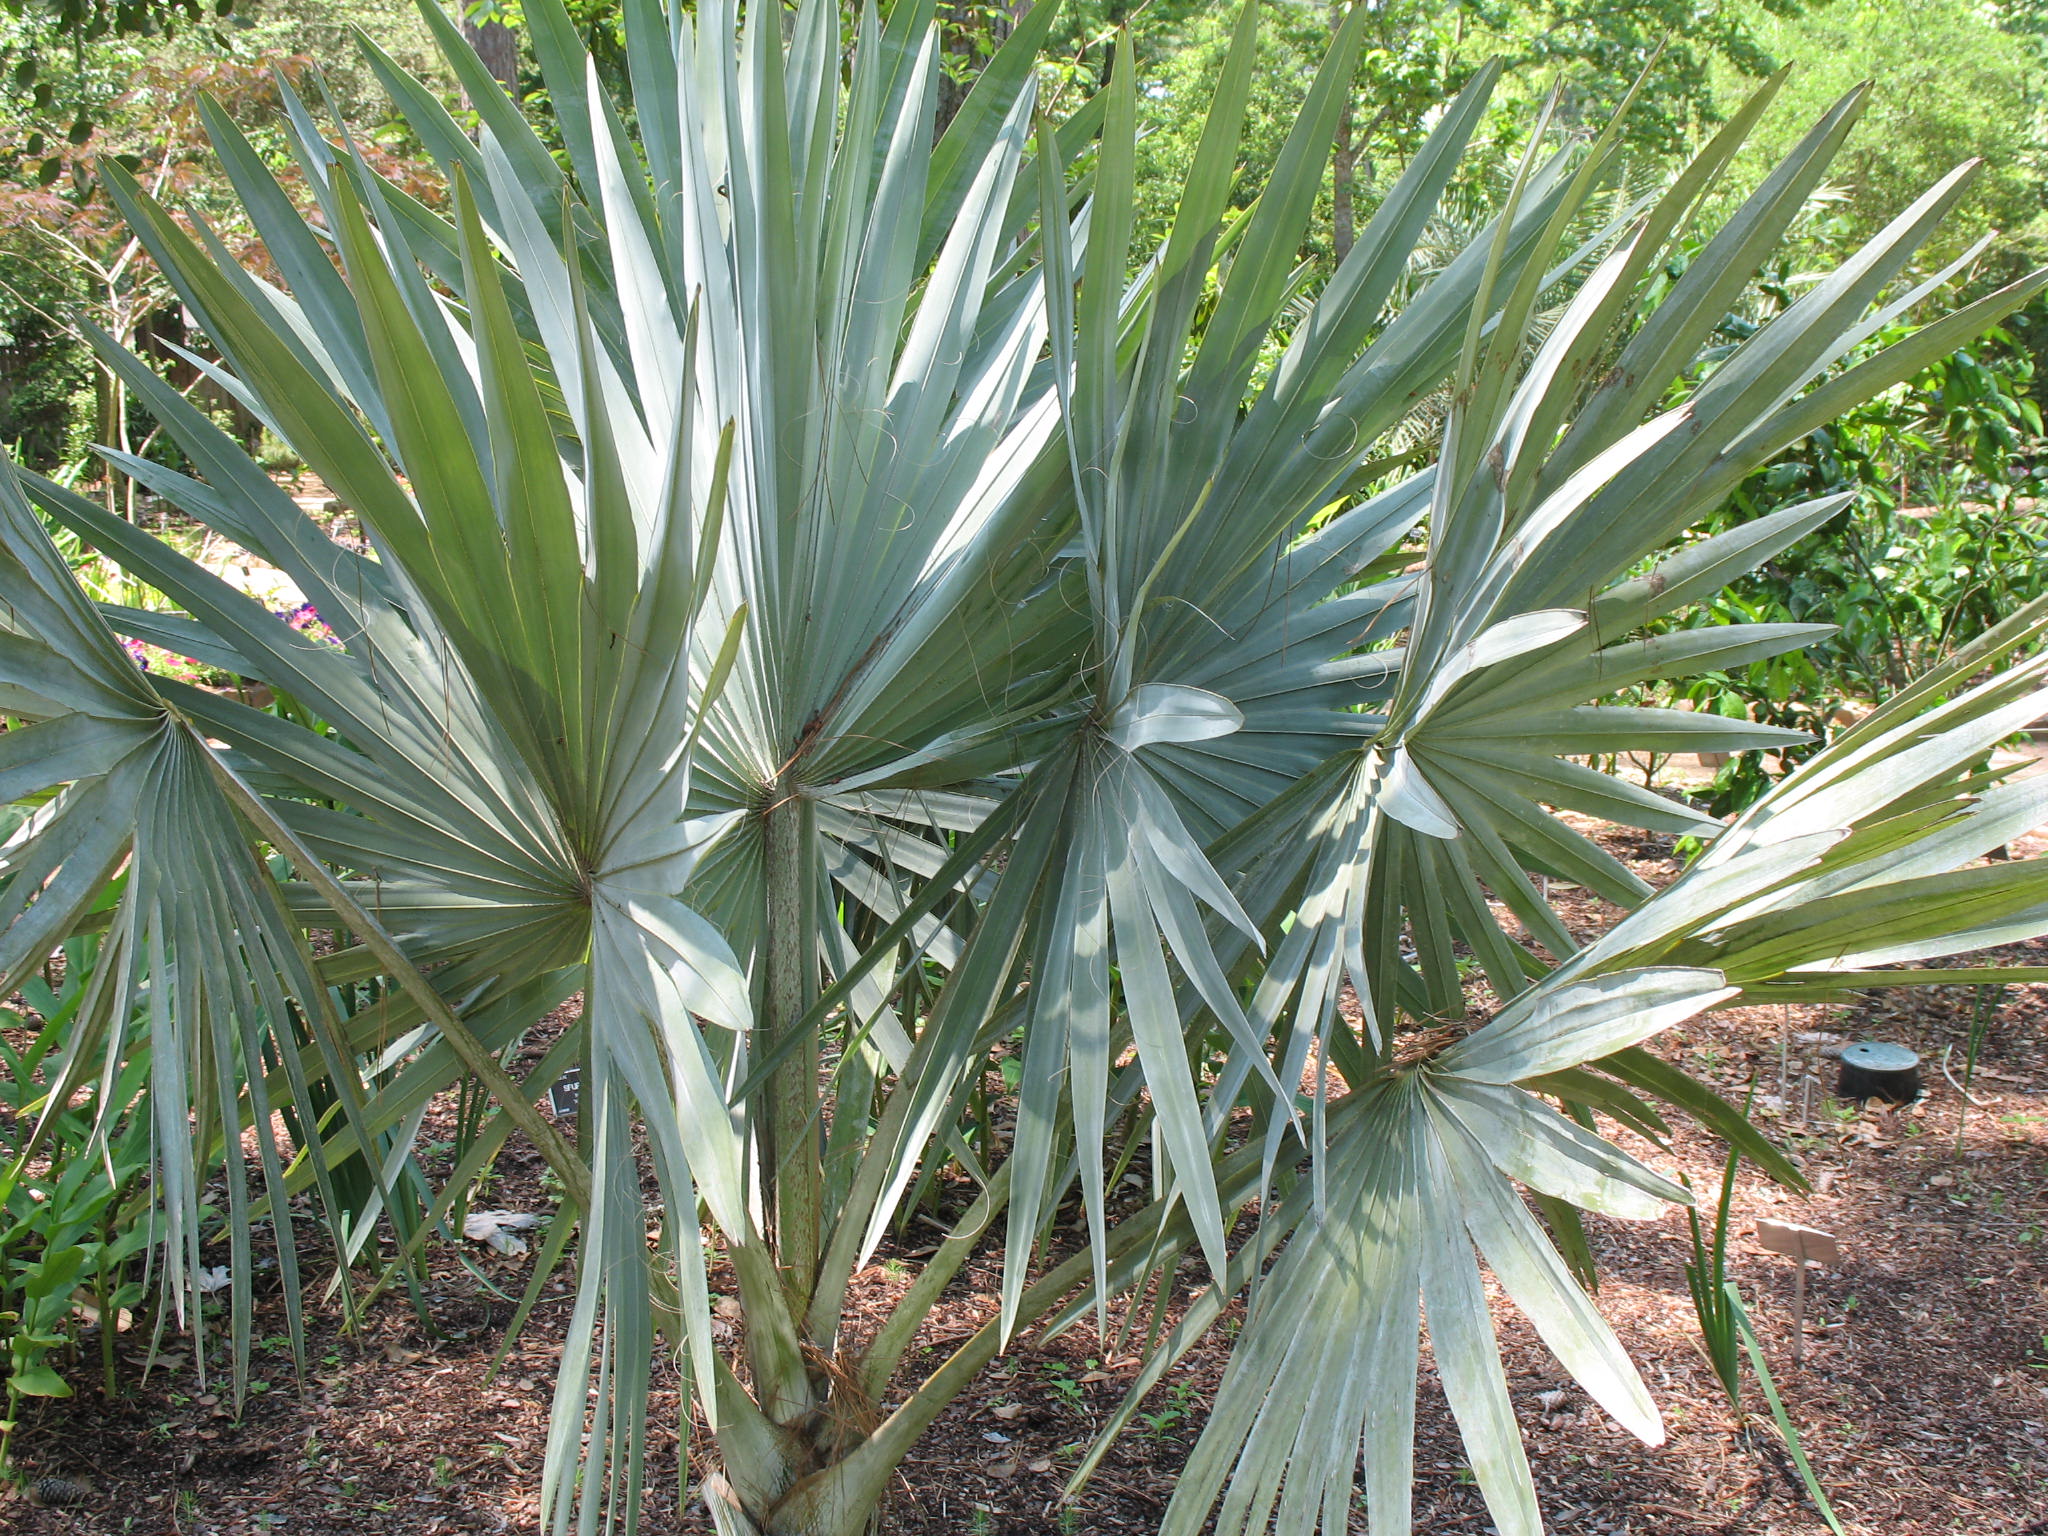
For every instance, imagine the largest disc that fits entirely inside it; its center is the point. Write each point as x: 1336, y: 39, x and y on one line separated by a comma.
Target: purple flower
x: 305, y: 620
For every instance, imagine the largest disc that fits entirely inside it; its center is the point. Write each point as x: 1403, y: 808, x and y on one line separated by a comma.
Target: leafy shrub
x: 73, y: 1221
x: 1940, y: 538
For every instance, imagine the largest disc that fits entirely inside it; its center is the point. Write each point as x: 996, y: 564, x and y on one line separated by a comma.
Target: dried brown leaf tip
x: 1426, y: 1044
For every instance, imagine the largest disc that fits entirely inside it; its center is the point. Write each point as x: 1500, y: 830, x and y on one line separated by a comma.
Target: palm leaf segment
x: 814, y: 588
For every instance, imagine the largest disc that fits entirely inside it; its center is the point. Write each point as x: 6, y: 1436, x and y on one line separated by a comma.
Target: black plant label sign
x: 565, y: 1097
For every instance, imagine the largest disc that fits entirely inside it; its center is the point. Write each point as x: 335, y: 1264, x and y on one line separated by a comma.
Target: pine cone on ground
x: 58, y: 1492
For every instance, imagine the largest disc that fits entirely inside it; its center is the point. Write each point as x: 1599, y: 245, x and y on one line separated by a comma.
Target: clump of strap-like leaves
x: 837, y: 606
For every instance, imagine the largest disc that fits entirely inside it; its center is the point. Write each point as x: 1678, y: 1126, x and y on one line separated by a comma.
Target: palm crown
x: 836, y: 605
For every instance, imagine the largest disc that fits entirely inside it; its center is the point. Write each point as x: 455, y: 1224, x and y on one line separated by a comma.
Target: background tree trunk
x: 496, y: 44
x: 1344, y: 156
x: 1343, y: 163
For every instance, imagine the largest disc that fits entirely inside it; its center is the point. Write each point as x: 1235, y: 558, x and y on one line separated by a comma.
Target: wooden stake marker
x: 1804, y: 1246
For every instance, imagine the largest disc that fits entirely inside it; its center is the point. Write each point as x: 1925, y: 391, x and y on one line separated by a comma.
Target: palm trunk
x: 795, y: 1170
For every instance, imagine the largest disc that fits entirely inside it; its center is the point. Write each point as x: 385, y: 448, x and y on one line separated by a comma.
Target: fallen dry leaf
x: 500, y: 1229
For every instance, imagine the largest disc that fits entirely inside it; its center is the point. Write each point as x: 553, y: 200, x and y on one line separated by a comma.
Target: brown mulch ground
x: 1923, y: 1399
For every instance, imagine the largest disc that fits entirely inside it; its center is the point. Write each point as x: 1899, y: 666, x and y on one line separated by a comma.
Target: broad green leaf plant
x: 835, y: 605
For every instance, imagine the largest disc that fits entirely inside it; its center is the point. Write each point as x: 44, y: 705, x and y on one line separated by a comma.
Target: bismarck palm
x: 835, y: 604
